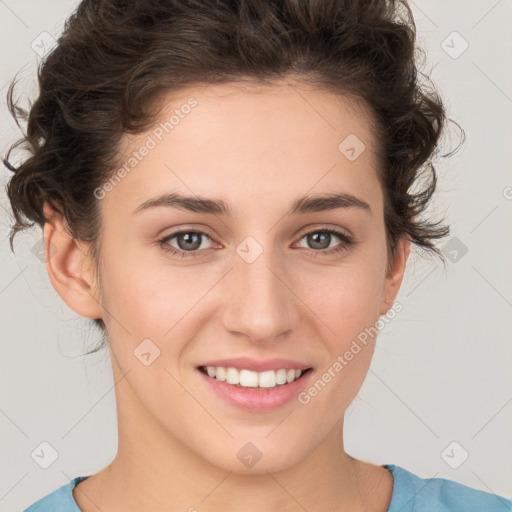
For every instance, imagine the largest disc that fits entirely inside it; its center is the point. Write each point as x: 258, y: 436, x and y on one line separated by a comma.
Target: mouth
x: 253, y: 380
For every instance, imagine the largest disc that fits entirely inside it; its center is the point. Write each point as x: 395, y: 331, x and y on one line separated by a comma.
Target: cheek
x: 149, y: 299
x: 351, y: 314
x: 346, y: 298
x: 346, y: 302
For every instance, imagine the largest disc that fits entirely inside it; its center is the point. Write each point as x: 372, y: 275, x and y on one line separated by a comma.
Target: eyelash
x: 346, y: 240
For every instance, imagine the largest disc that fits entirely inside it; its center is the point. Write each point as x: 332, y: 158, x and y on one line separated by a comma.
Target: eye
x: 320, y: 240
x: 190, y: 242
x: 187, y: 242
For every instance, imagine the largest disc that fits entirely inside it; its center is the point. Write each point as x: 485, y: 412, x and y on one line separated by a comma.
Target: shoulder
x: 60, y: 500
x: 414, y: 494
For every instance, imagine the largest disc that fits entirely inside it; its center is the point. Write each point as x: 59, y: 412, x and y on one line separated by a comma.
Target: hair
x: 114, y: 58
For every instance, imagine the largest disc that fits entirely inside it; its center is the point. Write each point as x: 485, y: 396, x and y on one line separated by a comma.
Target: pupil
x: 315, y: 236
x: 187, y: 237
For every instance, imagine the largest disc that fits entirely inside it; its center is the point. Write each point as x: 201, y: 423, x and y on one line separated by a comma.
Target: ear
x: 69, y: 268
x: 395, y: 274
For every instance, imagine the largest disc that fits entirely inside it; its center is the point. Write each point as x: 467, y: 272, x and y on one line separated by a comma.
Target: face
x: 260, y: 281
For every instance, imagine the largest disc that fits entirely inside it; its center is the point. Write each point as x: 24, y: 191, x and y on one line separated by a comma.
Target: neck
x: 173, y: 477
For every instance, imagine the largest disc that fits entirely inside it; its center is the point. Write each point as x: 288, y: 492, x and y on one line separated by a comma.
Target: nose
x: 260, y: 304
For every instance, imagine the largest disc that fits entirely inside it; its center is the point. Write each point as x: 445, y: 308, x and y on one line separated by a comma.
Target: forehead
x: 219, y: 138
x: 239, y: 107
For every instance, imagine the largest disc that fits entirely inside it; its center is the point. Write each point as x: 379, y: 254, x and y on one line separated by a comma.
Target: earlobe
x: 395, y: 273
x: 69, y: 267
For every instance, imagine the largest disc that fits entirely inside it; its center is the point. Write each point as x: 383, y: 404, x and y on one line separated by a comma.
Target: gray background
x: 441, y: 371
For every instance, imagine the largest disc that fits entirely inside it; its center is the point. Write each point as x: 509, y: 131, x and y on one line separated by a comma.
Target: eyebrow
x: 306, y: 204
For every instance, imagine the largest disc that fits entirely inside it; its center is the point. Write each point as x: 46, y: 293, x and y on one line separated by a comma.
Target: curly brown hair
x: 115, y: 57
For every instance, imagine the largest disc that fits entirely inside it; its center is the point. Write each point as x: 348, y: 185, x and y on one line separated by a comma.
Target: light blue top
x: 410, y: 494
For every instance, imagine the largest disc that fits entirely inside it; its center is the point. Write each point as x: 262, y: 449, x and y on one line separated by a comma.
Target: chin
x: 254, y: 457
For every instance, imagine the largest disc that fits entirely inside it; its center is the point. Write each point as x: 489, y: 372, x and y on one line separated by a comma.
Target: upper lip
x: 257, y: 365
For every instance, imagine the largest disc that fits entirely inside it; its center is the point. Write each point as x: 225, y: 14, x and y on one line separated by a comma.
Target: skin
x: 258, y: 148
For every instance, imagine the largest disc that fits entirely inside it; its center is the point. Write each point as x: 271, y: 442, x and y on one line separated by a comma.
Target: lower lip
x: 257, y: 399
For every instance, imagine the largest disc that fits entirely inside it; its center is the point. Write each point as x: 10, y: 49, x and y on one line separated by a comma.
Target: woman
x: 225, y: 189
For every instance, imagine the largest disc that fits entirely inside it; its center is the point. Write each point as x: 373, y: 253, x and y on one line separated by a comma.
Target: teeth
x: 250, y: 379
x: 267, y: 379
x: 281, y: 376
x: 232, y: 376
x: 220, y: 373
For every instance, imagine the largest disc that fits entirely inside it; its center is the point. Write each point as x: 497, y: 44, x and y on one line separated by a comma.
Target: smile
x: 255, y: 384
